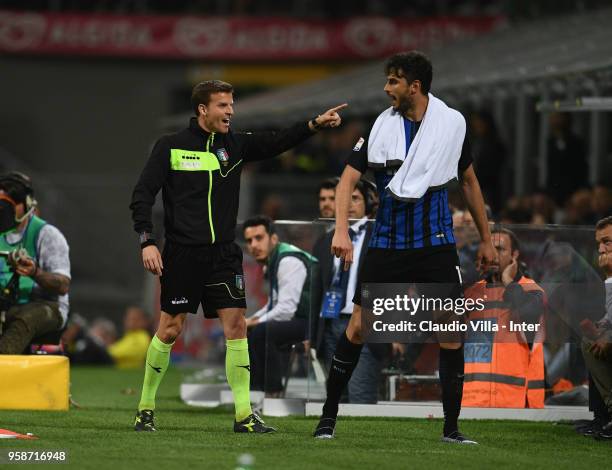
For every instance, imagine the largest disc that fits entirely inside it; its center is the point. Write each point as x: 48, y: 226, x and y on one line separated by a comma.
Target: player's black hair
x: 329, y: 183
x: 413, y: 65
x: 603, y: 223
x: 202, y: 91
x: 514, y: 243
x: 257, y: 220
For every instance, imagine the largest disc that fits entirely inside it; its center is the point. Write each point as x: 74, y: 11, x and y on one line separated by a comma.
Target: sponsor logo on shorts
x: 180, y: 301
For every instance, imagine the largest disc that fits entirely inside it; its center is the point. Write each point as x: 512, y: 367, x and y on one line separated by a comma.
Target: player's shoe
x: 605, y: 434
x: 589, y: 429
x: 144, y: 421
x: 458, y: 438
x: 326, y: 429
x: 252, y: 423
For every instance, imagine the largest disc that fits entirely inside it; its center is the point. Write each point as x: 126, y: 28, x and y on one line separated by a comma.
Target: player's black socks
x: 343, y: 363
x: 451, y: 381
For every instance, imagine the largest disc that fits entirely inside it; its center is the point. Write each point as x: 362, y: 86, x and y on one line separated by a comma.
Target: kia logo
x: 200, y: 37
x: 21, y: 31
x: 370, y: 37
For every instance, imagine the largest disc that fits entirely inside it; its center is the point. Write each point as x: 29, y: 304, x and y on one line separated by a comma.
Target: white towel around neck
x: 433, y: 156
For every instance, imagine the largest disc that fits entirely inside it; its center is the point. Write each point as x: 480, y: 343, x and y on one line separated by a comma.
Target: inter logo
x: 223, y: 156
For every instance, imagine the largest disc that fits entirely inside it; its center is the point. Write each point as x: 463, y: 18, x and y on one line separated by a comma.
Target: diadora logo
x: 190, y: 164
x: 180, y: 301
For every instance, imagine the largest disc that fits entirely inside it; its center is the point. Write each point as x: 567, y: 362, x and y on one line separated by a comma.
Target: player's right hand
x: 487, y: 257
x: 152, y: 260
x: 342, y: 247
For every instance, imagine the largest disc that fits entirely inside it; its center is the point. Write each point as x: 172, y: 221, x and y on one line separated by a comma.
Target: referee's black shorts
x: 210, y: 275
x: 429, y: 265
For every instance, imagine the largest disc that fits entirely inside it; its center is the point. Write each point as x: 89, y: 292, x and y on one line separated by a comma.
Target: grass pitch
x: 99, y: 435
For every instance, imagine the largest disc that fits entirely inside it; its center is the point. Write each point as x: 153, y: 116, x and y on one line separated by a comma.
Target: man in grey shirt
x: 39, y: 255
x: 597, y: 343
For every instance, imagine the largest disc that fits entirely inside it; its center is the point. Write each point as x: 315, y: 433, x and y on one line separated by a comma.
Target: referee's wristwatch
x: 315, y: 125
x: 146, y: 239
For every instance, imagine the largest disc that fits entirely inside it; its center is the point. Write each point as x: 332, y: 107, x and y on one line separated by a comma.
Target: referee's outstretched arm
x: 342, y: 247
x: 472, y: 195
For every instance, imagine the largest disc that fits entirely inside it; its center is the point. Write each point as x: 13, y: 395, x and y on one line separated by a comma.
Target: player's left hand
x: 331, y: 118
x: 487, y: 256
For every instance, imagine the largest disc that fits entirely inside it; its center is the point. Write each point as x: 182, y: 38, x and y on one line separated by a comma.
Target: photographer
x: 37, y: 253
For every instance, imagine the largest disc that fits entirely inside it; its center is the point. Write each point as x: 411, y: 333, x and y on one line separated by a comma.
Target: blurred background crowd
x: 89, y: 86
x: 315, y: 8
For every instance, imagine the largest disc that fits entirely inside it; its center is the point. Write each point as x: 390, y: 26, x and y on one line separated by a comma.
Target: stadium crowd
x: 316, y: 8
x: 567, y: 198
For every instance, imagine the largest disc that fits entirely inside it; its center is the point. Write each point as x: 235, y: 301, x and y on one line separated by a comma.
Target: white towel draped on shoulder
x: 433, y: 156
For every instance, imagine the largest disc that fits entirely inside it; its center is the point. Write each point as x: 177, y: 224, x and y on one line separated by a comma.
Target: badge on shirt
x: 239, y: 282
x: 332, y: 303
x: 223, y: 156
x: 358, y: 145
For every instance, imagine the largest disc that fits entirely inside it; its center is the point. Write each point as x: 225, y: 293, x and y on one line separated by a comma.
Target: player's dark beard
x: 405, y: 104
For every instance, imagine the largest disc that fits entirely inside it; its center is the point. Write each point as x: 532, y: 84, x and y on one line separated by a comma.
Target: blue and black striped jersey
x: 404, y: 225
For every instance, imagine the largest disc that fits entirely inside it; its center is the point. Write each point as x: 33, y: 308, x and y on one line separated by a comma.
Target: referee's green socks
x: 238, y: 371
x: 158, y: 358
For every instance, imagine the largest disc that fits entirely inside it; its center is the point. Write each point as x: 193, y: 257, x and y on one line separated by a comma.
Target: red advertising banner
x: 227, y: 38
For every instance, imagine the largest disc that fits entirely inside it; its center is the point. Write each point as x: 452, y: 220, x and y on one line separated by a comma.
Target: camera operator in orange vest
x: 504, y: 367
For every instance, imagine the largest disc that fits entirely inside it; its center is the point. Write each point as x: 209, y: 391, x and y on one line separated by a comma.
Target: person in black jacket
x: 340, y: 284
x: 198, y: 170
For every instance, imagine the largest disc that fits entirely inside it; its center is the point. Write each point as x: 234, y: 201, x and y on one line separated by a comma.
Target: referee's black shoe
x: 144, y: 421
x: 326, y: 428
x: 457, y: 438
x: 252, y: 423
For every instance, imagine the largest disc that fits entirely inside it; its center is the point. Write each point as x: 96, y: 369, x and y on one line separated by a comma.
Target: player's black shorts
x: 430, y: 265
x: 210, y: 275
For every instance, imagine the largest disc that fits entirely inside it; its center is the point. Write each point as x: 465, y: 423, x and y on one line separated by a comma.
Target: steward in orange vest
x: 501, y: 369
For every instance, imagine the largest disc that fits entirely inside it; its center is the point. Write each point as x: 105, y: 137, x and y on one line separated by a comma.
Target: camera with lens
x: 10, y: 292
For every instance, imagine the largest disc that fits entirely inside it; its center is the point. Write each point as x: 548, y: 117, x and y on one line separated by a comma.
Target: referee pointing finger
x: 198, y: 170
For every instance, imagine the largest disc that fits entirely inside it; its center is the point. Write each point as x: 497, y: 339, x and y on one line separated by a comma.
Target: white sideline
x: 434, y: 410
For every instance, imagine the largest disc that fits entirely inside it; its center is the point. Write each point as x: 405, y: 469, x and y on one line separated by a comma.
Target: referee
x: 412, y: 240
x: 198, y: 170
